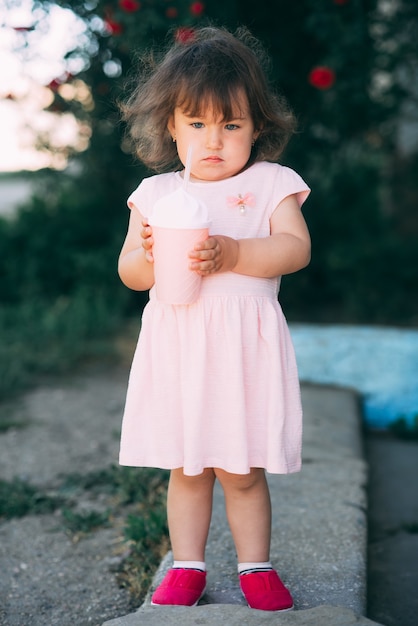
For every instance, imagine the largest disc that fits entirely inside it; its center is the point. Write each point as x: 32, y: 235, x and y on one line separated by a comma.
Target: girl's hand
x: 147, y: 240
x: 215, y: 254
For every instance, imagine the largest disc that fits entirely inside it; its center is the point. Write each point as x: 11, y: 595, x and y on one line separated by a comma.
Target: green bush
x: 61, y: 297
x: 363, y: 267
x: 405, y: 429
x: 50, y: 337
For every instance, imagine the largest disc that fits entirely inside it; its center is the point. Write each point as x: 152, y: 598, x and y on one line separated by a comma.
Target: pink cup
x: 175, y: 283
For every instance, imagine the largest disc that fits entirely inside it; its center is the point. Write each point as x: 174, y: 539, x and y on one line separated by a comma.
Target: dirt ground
x: 48, y: 576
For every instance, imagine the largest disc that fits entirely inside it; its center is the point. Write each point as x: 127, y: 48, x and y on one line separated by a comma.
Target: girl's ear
x: 171, y: 127
x: 256, y: 135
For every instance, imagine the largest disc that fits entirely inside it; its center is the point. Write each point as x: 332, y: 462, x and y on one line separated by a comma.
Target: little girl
x: 213, y: 391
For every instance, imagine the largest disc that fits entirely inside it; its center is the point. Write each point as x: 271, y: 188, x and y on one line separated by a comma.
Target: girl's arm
x: 135, y: 265
x: 286, y: 250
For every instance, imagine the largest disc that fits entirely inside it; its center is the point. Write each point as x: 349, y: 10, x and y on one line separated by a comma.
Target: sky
x: 29, y: 61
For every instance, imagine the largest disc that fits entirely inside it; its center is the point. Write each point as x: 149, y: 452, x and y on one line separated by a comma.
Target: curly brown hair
x: 213, y: 66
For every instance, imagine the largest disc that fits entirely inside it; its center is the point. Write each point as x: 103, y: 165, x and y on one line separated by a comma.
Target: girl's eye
x: 231, y: 126
x: 197, y: 124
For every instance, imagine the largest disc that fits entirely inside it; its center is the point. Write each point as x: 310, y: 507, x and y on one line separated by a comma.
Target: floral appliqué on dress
x: 241, y: 201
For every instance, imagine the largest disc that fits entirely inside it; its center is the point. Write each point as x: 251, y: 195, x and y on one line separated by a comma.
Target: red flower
x: 54, y: 84
x: 60, y: 80
x: 172, y: 13
x: 114, y: 28
x: 341, y: 2
x: 130, y: 6
x: 184, y: 34
x: 197, y: 8
x: 322, y: 77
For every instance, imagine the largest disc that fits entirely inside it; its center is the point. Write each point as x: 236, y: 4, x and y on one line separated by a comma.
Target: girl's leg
x: 248, y: 508
x: 189, y: 511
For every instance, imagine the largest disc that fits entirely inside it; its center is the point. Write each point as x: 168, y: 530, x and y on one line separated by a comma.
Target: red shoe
x: 182, y: 587
x: 265, y: 591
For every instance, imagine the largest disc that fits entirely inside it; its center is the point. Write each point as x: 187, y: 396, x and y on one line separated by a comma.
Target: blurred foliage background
x: 349, y: 69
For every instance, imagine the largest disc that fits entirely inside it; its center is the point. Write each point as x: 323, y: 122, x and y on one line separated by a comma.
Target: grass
x: 139, y: 494
x: 136, y: 495
x: 84, y: 523
x: 147, y: 534
x: 129, y: 484
x: 9, y: 421
x: 19, y: 498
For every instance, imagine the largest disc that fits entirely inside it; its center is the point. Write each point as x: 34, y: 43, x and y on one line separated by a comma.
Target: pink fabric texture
x: 215, y: 383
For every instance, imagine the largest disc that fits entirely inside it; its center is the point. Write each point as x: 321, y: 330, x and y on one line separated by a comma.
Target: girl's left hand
x: 214, y: 254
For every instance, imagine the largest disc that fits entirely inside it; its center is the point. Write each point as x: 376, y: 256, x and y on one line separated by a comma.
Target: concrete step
x: 319, y: 538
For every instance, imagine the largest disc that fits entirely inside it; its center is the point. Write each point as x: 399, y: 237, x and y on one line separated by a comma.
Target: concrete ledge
x: 319, y: 539
x: 229, y: 615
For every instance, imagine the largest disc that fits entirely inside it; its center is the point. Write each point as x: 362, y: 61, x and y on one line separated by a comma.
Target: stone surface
x: 319, y: 532
x: 229, y: 615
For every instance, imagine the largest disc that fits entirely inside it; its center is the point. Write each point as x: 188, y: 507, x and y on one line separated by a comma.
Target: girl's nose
x: 213, y: 138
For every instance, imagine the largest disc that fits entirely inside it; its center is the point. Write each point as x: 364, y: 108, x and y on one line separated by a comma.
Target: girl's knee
x: 178, y: 475
x: 242, y: 482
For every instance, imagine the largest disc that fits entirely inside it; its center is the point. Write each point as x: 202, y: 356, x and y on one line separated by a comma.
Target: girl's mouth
x: 213, y: 158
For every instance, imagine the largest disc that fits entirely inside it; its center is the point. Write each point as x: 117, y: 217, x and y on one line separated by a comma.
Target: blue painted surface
x: 379, y: 363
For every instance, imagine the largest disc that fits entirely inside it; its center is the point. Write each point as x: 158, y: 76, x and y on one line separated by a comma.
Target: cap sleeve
x: 288, y: 182
x: 139, y: 199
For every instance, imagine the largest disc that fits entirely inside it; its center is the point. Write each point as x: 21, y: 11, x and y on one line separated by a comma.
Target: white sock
x: 249, y: 568
x: 200, y: 565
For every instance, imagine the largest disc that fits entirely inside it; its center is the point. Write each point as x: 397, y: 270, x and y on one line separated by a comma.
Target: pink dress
x: 215, y: 383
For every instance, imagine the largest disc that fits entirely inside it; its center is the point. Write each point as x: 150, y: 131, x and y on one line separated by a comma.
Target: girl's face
x: 221, y: 148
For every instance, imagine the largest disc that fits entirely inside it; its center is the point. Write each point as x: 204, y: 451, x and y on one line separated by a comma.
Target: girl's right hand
x: 147, y: 241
